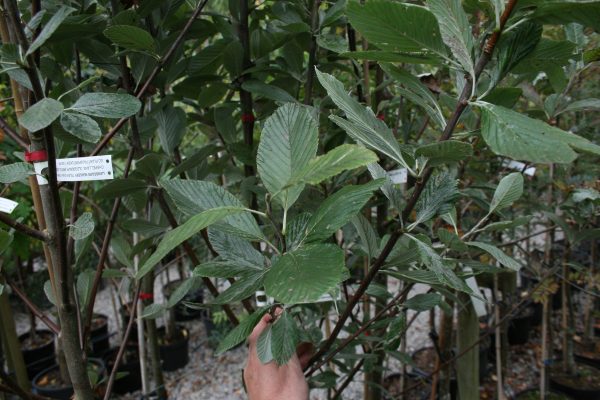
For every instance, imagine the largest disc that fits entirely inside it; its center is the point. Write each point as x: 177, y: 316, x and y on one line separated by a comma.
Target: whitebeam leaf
x: 107, y: 105
x: 517, y: 136
x: 508, y: 191
x: 242, y: 331
x: 362, y: 125
x: 83, y: 227
x: 288, y: 142
x: 49, y: 28
x: 41, y: 114
x: 498, y: 254
x: 342, y: 158
x: 304, y: 275
x: 81, y: 126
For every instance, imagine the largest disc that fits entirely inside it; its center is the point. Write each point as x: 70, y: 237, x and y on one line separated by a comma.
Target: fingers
x: 258, y: 329
x: 305, y: 351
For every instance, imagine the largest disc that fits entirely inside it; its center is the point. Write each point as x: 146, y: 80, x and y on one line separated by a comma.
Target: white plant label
x: 519, y: 166
x: 96, y: 168
x: 399, y: 175
x: 7, y: 206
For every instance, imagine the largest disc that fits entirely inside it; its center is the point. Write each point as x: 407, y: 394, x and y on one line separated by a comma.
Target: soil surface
x: 39, y: 340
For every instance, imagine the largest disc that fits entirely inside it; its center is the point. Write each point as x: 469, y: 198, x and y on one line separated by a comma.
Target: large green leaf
x: 304, y: 275
x: 81, y: 126
x: 288, y: 142
x: 238, y: 334
x: 285, y: 335
x: 515, y: 135
x: 130, y: 37
x: 367, y: 234
x: 41, y: 114
x: 344, y: 157
x: 15, y: 172
x: 584, y: 12
x: 443, y: 152
x: 220, y: 269
x: 423, y: 301
x: 245, y: 286
x: 171, y: 127
x: 120, y: 187
x: 498, y: 254
x: 514, y: 46
x: 389, y: 190
x: 362, y: 125
x: 236, y: 250
x: 268, y: 91
x: 50, y: 28
x: 456, y: 31
x: 191, y: 197
x: 183, y: 232
x: 83, y: 227
x: 437, y: 197
x: 397, y: 26
x: 107, y: 105
x: 338, y: 209
x: 412, y: 88
x: 581, y: 105
x: 433, y: 261
x: 508, y: 191
x: 181, y: 291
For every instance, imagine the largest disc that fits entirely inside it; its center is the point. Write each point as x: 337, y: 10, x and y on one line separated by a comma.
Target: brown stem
x: 348, y: 379
x: 140, y: 93
x: 22, y: 228
x: 34, y: 309
x: 113, y: 373
x: 13, y: 134
x: 312, y: 53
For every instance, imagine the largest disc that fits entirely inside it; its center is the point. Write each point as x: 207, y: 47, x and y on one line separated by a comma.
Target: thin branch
x: 132, y: 314
x: 13, y: 134
x: 312, y: 53
x: 34, y: 309
x: 140, y: 93
x: 527, y: 237
x: 25, y: 229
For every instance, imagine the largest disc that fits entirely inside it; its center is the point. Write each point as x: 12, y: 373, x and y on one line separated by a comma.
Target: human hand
x: 271, y: 381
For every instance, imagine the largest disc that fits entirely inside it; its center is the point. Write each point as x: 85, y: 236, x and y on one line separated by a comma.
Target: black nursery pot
x: 132, y: 381
x: 576, y: 390
x: 61, y: 392
x: 99, y: 337
x: 519, y: 327
x: 175, y: 354
x: 182, y: 312
x: 39, y: 358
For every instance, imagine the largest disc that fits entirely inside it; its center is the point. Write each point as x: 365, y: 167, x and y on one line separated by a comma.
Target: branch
x: 419, y: 186
x: 13, y: 134
x: 25, y: 229
x: 312, y: 53
x: 113, y: 373
x: 34, y: 309
x: 140, y: 93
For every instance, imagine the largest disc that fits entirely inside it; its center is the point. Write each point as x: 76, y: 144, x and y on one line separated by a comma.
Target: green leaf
x: 304, y: 275
x: 183, y: 232
x: 81, y: 126
x: 288, y: 142
x: 508, y: 191
x: 195, y: 159
x: 191, y: 197
x: 171, y: 127
x: 181, y: 291
x: 437, y: 197
x: 397, y: 26
x: 586, y: 13
x: 236, y: 250
x: 443, y: 152
x: 456, y: 31
x: 49, y: 292
x: 423, y: 302
x: 433, y: 261
x: 153, y: 310
x: 583, y: 194
x: 85, y: 282
x: 501, y: 225
x: 389, y: 56
x: 515, y: 135
x: 338, y: 209
x: 412, y: 88
x: 41, y: 114
x: 498, y: 254
x: 270, y: 92
x: 285, y: 336
x: 142, y: 226
x: 130, y: 37
x: 451, y: 240
x: 264, y: 344
x: 342, y: 158
x: 15, y: 172
x: 83, y: 227
x: 120, y: 187
x: 369, y: 238
x: 242, y: 331
x: 107, y: 105
x: 50, y: 28
x: 244, y: 287
x: 581, y: 105
x: 389, y: 190
x: 220, y: 269
x: 362, y: 125
x: 514, y: 46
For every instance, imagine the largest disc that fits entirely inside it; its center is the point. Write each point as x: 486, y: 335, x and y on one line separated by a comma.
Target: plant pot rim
x: 25, y: 335
x: 43, y: 372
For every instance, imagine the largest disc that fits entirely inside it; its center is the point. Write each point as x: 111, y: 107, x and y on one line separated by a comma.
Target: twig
x: 34, y: 309
x: 312, y: 53
x: 132, y: 315
x: 349, y: 379
x: 140, y: 93
x: 527, y: 237
x: 13, y: 134
x: 25, y: 229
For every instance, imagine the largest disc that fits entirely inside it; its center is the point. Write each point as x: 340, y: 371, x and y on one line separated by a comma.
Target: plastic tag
x: 7, y: 206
